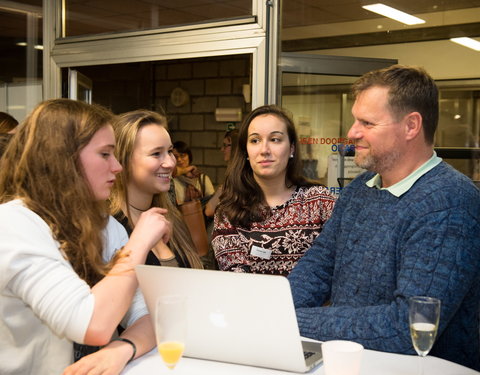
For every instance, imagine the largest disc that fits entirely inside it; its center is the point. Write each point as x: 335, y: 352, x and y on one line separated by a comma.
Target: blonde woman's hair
x: 41, y: 167
x: 126, y: 129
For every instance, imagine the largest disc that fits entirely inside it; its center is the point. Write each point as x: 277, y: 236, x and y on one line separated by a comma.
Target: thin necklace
x: 138, y: 209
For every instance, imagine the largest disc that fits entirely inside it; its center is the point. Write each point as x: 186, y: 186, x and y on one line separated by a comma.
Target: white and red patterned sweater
x: 288, y: 233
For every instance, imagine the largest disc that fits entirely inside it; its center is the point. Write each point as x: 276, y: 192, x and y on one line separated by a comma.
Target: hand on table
x: 109, y: 360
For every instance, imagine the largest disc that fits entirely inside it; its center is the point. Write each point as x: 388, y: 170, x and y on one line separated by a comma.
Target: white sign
x: 350, y: 170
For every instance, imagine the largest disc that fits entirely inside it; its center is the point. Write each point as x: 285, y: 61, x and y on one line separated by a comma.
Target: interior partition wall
x: 216, y: 63
x: 252, y: 34
x: 330, y: 33
x: 304, y: 27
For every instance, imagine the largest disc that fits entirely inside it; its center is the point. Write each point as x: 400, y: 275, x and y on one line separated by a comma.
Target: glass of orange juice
x: 171, y: 328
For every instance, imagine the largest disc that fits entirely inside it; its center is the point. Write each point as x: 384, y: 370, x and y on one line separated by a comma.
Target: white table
x: 373, y: 363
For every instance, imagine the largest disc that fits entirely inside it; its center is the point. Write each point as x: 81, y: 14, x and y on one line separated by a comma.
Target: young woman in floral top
x: 269, y: 214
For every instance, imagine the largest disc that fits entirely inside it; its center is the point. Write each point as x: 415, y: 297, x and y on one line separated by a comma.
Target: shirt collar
x: 404, y: 185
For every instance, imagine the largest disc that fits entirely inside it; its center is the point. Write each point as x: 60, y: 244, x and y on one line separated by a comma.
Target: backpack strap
x: 202, y: 184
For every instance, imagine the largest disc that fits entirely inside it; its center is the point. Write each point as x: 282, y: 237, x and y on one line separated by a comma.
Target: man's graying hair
x: 411, y: 89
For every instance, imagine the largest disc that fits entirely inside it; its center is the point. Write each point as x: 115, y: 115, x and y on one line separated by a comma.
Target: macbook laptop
x: 234, y: 317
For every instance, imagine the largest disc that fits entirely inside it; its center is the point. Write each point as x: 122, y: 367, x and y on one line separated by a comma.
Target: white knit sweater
x: 44, y: 305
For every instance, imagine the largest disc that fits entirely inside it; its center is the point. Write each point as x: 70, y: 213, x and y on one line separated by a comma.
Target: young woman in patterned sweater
x: 268, y: 215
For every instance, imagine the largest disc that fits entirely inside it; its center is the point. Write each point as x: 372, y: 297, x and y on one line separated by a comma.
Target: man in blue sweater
x: 409, y: 226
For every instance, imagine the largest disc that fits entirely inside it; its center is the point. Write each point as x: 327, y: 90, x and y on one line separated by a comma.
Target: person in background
x: 268, y: 214
x: 66, y: 266
x: 146, y: 153
x: 4, y: 140
x: 229, y: 145
x: 8, y: 123
x: 188, y: 181
x: 409, y: 226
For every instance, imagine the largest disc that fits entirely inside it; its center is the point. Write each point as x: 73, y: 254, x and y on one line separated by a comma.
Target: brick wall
x: 210, y: 83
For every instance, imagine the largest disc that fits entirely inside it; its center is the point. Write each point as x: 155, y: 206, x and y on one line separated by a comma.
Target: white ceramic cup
x: 342, y: 357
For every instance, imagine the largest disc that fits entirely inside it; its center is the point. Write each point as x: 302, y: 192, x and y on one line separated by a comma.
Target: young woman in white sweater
x: 66, y: 266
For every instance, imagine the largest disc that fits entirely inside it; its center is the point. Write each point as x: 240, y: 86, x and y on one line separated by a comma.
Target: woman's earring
x: 248, y: 158
x: 291, y: 156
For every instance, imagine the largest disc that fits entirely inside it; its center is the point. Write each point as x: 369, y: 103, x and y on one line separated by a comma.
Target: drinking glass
x: 424, y: 314
x: 171, y: 328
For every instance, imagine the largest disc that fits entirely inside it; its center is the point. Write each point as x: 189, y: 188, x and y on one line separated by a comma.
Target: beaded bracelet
x: 131, y: 343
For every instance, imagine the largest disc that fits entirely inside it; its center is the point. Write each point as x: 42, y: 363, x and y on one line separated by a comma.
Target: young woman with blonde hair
x: 145, y: 152
x: 62, y: 278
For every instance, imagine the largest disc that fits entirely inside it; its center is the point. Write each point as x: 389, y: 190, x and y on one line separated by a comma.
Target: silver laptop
x: 233, y: 317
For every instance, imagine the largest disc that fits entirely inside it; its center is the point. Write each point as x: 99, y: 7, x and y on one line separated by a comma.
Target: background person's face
x: 226, y: 148
x: 182, y: 159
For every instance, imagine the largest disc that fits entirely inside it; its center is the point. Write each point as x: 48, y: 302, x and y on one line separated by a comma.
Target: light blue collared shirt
x: 401, y: 187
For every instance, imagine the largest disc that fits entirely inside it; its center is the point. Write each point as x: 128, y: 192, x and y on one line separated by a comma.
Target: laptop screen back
x: 232, y: 317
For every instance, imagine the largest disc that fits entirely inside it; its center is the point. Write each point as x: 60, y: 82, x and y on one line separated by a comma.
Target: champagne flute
x: 424, y: 315
x: 171, y: 328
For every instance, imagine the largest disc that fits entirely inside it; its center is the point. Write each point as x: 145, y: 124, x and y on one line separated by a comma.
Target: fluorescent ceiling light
x: 467, y: 42
x: 24, y: 44
x: 393, y: 13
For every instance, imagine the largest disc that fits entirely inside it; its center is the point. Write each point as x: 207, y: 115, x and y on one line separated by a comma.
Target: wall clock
x: 179, y: 97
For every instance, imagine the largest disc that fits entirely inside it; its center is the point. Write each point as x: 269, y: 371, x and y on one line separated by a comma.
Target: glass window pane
x: 458, y: 135
x: 86, y: 17
x: 320, y: 105
x: 344, y: 28
x: 457, y: 126
x: 20, y: 57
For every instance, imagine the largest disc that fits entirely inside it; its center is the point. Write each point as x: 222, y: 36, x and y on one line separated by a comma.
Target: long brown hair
x: 242, y: 200
x: 41, y: 167
x: 126, y: 130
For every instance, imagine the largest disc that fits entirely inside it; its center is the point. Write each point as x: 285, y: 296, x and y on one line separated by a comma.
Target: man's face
x: 376, y: 132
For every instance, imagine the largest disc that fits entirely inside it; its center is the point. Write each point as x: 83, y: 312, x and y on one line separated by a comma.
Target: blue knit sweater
x: 377, y: 250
